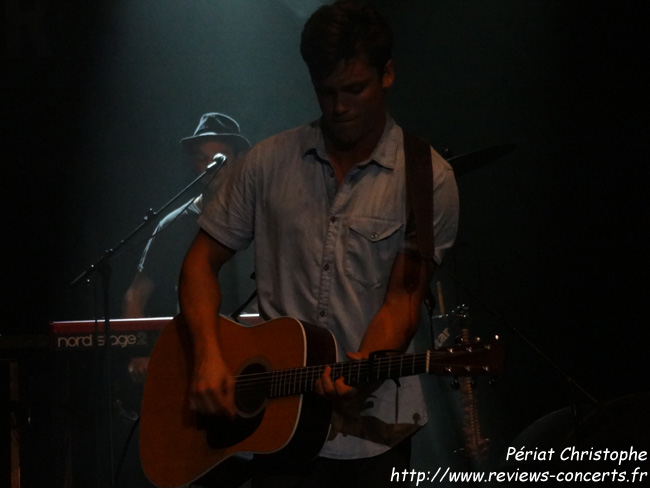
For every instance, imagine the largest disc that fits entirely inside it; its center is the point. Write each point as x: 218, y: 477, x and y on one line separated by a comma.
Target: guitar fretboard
x: 295, y: 381
x: 300, y: 380
x: 459, y: 361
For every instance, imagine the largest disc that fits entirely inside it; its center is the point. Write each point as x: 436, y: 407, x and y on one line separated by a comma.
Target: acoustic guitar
x: 275, y: 365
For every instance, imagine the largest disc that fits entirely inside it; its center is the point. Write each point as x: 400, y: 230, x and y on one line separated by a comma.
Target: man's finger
x: 326, y: 381
x: 343, y: 390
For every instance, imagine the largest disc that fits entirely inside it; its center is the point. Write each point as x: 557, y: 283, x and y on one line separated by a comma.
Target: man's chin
x: 343, y: 139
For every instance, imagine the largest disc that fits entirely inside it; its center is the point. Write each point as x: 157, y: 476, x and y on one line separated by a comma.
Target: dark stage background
x: 553, y: 236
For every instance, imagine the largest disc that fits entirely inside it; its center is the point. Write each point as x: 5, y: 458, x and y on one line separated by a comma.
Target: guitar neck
x: 296, y: 381
x: 462, y: 360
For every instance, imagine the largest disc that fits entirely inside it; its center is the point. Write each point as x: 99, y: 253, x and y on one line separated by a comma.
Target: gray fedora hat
x: 214, y: 124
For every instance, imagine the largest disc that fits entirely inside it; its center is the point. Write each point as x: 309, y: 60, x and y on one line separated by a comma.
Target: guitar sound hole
x: 250, y: 391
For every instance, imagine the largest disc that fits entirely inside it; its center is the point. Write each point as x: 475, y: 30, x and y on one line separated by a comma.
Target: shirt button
x: 332, y: 219
x: 374, y: 235
x: 326, y: 267
x: 322, y: 313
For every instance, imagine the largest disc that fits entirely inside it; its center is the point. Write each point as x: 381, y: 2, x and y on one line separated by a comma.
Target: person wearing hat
x: 152, y: 291
x: 162, y: 257
x: 216, y: 133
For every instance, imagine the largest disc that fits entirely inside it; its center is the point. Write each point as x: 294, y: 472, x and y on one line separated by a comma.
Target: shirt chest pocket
x: 371, y: 248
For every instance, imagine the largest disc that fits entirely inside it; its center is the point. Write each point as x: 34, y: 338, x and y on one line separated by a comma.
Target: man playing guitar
x: 335, y: 246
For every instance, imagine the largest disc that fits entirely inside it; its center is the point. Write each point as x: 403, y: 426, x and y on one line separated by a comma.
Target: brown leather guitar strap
x: 419, y: 192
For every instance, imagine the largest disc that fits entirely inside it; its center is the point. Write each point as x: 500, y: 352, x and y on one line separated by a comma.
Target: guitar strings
x: 296, y: 380
x: 360, y: 371
x: 362, y: 365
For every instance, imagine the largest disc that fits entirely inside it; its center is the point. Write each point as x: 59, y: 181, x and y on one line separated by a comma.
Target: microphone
x: 218, y: 160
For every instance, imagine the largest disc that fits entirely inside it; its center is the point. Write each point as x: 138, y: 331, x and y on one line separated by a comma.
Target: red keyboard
x: 76, y: 335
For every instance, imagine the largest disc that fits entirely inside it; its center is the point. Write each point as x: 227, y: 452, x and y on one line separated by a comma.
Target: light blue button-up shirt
x: 324, y: 252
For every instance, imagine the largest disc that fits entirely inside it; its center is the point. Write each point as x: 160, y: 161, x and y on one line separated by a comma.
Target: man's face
x: 201, y: 153
x: 352, y: 101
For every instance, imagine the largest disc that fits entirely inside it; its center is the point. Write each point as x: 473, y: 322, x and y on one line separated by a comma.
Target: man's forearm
x: 137, y: 296
x: 200, y: 294
x: 396, y: 322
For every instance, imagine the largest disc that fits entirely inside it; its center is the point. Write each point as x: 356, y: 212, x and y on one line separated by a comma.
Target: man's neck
x: 344, y: 158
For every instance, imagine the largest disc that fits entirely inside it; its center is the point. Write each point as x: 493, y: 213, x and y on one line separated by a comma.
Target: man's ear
x: 389, y: 75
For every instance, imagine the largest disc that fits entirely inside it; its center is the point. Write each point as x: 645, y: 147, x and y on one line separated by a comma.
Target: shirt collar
x: 384, y: 153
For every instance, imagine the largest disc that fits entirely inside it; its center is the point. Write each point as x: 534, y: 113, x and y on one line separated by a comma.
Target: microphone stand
x: 102, y: 267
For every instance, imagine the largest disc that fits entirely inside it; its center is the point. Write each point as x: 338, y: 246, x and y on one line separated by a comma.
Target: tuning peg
x: 454, y: 383
x: 492, y: 382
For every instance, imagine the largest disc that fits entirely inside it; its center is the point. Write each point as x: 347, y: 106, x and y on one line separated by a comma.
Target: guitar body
x: 178, y: 447
x: 273, y: 364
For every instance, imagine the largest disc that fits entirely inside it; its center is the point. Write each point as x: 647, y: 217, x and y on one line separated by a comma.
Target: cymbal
x: 468, y: 162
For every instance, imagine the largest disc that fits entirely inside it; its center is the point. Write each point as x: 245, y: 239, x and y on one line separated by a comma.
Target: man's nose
x: 339, y: 103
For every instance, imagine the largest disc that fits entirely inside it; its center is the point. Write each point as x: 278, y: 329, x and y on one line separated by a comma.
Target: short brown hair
x: 342, y: 31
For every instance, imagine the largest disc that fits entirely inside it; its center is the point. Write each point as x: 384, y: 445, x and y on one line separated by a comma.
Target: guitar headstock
x: 478, y: 358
